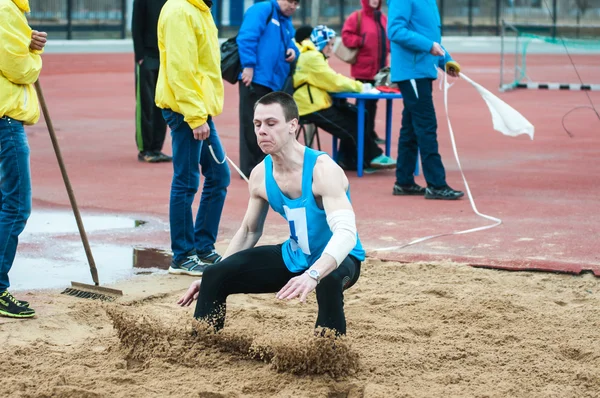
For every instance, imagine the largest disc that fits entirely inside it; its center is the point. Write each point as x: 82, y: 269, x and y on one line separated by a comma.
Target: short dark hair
x: 290, y: 109
x: 303, y: 33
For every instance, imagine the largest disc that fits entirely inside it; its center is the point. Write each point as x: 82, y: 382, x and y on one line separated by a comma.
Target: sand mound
x: 147, y: 338
x: 419, y: 330
x: 69, y: 392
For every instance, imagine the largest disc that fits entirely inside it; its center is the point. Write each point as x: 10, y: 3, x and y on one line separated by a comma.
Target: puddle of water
x: 63, y: 222
x: 64, y: 262
x: 113, y: 262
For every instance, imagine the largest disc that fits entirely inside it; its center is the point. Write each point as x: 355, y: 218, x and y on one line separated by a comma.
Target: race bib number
x: 298, y: 228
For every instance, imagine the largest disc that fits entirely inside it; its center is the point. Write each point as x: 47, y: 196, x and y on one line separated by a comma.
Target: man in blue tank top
x: 311, y: 192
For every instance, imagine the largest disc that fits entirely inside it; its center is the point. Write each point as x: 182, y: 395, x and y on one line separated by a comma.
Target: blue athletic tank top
x: 305, y: 245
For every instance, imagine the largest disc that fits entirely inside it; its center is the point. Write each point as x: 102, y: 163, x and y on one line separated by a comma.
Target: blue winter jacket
x: 262, y: 44
x: 413, y: 27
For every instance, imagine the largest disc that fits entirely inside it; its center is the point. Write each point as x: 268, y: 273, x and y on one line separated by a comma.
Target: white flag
x: 505, y: 118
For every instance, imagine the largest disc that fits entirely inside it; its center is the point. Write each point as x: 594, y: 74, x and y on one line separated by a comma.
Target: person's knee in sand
x: 311, y: 192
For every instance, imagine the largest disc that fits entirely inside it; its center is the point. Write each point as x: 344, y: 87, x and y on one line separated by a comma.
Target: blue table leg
x: 361, y: 136
x: 388, y: 127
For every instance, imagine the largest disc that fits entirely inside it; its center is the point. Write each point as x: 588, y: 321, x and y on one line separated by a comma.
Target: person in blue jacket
x: 267, y: 50
x: 414, y: 30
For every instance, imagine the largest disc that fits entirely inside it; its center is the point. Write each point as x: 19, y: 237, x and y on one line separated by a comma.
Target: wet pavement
x: 51, y: 253
x: 63, y: 222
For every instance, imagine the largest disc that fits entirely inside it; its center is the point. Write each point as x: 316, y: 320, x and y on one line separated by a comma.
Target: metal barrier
x: 80, y: 19
x: 560, y: 40
x: 110, y: 18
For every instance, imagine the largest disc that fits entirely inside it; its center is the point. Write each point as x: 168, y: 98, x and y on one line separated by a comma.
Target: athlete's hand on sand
x: 190, y: 295
x: 298, y: 286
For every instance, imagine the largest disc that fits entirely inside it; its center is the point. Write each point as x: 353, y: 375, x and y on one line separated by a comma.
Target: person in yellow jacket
x: 314, y: 79
x: 190, y: 93
x: 20, y: 66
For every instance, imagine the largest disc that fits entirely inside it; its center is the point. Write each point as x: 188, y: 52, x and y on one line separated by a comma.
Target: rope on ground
x: 225, y: 157
x: 496, y: 221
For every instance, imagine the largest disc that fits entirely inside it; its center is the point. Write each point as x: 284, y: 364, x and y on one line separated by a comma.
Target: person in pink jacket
x: 365, y: 29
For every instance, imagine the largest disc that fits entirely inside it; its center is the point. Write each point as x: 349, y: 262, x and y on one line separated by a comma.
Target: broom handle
x: 63, y: 170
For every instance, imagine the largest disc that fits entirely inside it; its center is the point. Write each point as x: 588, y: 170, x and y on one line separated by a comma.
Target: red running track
x: 545, y: 191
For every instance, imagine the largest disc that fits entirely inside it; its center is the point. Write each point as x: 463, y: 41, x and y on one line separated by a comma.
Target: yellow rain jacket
x: 314, y: 79
x: 19, y: 66
x: 189, y: 79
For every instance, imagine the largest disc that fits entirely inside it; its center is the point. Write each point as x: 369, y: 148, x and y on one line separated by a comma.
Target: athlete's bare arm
x: 251, y: 229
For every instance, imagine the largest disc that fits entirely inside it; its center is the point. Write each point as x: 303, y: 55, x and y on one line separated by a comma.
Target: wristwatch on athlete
x: 313, y: 273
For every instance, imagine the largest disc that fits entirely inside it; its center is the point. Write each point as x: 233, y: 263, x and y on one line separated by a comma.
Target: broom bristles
x: 87, y: 295
x: 92, y: 292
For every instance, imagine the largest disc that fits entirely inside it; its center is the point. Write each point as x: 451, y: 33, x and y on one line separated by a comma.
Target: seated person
x: 314, y: 79
x: 323, y: 252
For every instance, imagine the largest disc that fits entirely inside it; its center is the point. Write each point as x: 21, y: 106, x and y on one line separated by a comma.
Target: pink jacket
x: 371, y: 40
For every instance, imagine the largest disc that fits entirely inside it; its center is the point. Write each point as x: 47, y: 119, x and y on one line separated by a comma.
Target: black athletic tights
x: 262, y: 270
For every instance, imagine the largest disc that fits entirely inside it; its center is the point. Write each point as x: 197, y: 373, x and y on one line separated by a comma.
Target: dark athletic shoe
x: 445, y: 193
x: 191, y: 265
x: 23, y: 302
x: 408, y: 190
x: 161, y: 157
x: 211, y: 257
x: 148, y: 157
x: 12, y: 308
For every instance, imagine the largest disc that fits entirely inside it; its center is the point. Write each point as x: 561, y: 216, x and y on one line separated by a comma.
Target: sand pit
x: 414, y: 330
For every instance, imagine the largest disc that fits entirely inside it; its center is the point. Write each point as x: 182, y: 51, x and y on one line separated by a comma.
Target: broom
x: 82, y: 290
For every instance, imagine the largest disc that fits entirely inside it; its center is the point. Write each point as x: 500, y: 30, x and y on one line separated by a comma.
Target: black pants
x: 250, y: 152
x: 150, y: 126
x: 341, y: 120
x: 371, y: 113
x: 262, y: 270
